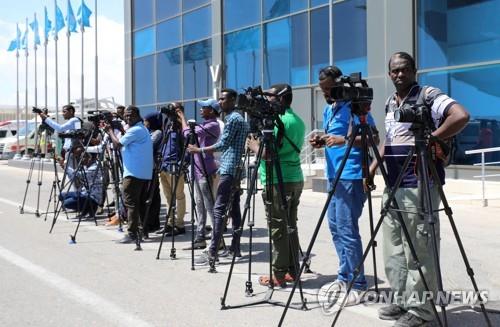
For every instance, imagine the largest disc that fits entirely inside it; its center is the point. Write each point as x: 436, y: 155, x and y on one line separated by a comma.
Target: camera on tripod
x: 77, y: 134
x: 254, y: 102
x: 169, y: 110
x: 353, y: 89
x: 96, y: 116
x: 418, y: 114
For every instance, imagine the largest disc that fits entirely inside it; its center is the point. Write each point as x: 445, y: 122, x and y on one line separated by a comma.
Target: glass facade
x: 463, y: 60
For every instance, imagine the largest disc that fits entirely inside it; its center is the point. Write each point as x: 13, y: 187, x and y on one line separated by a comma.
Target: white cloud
x: 111, y: 65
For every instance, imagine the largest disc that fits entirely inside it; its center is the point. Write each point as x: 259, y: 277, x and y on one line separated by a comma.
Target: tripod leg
x: 28, y: 181
x: 52, y: 191
x: 40, y: 178
x: 449, y: 213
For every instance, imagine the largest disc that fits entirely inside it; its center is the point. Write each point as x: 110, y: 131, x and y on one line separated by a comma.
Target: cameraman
x: 346, y: 206
x: 232, y: 146
x: 137, y: 152
x: 171, y: 157
x: 400, y: 267
x: 208, y: 133
x: 73, y: 123
x: 283, y: 220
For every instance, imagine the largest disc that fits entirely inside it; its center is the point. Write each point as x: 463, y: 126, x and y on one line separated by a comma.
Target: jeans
x: 344, y: 211
x: 77, y: 201
x: 135, y: 194
x: 224, y: 191
x: 205, y: 198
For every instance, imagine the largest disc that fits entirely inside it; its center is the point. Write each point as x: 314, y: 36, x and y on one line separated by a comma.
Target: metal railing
x: 483, y: 163
x: 310, y: 155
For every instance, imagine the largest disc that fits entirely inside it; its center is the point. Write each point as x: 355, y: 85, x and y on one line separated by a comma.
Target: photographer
x: 171, y: 157
x: 73, y: 123
x: 89, y: 193
x: 283, y: 220
x: 449, y: 118
x: 232, y: 146
x: 208, y: 133
x: 137, y: 152
x: 346, y: 205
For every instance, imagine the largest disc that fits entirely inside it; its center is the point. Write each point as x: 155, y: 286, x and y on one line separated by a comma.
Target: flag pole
x: 82, y: 104
x: 96, y: 60
x: 36, y: 85
x: 68, y: 34
x: 56, y: 70
x: 26, y: 155
x: 18, y: 153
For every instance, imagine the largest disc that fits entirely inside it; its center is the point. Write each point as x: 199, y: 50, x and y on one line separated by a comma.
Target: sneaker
x: 337, y: 286
x: 176, y: 231
x: 391, y: 312
x: 410, y: 320
x: 203, y: 259
x: 197, y: 245
x: 223, y: 253
x: 354, y: 297
x: 167, y: 229
x: 127, y: 239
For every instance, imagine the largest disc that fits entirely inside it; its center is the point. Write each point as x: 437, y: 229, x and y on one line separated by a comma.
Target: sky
x: 110, y: 53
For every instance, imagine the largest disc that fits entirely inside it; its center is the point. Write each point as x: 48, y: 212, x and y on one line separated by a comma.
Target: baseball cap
x: 212, y: 103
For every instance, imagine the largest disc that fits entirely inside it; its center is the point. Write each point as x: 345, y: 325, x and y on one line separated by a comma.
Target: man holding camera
x: 346, y: 205
x: 232, y: 146
x: 137, y: 153
x: 171, y: 157
x: 283, y: 216
x: 208, y: 133
x: 401, y: 270
x: 73, y: 123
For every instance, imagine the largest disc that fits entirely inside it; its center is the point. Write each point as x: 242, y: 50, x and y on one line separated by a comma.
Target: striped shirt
x: 399, y: 138
x: 232, y: 143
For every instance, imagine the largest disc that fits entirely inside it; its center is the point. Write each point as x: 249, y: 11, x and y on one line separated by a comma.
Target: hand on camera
x: 253, y: 144
x: 193, y: 149
x: 316, y: 141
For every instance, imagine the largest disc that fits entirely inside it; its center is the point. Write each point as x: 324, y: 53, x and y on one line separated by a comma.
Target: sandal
x: 266, y: 281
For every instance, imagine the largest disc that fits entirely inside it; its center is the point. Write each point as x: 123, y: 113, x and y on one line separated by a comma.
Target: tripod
x: 268, y: 143
x: 36, y: 157
x: 56, y: 186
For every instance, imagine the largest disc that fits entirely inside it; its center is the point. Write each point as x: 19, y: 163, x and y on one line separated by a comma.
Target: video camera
x: 43, y: 126
x: 417, y: 114
x: 169, y: 110
x: 254, y: 102
x: 96, y: 116
x: 353, y: 89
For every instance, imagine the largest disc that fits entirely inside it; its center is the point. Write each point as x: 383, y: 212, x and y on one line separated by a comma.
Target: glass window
x: 286, y: 51
x: 144, y: 110
x: 243, y: 58
x: 276, y: 8
x: 168, y: 70
x: 349, y: 36
x: 190, y: 109
x: 240, y: 13
x: 457, y: 32
x: 196, y: 69
x: 477, y: 90
x: 144, y: 80
x: 197, y: 24
x: 320, y: 48
x: 315, y: 3
x: 168, y: 34
x: 142, y: 13
x: 167, y: 8
x: 144, y: 42
x: 190, y: 4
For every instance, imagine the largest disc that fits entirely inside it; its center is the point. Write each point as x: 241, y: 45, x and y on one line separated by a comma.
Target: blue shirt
x: 137, y: 152
x: 232, y: 143
x: 336, y: 121
x: 72, y: 124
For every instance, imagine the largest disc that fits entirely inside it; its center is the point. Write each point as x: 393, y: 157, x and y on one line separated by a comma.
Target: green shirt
x: 289, y: 158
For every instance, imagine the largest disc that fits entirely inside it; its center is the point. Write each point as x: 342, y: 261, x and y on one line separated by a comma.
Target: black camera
x: 254, y: 102
x: 353, y: 89
x: 36, y: 110
x: 78, y: 134
x: 169, y: 110
x: 419, y: 114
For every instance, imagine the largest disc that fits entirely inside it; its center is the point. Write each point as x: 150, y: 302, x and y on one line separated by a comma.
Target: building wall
x: 170, y: 51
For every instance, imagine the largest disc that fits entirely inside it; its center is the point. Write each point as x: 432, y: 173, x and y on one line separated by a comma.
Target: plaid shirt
x: 232, y: 143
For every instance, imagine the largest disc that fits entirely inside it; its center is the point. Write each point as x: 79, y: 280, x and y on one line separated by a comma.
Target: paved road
x: 45, y: 281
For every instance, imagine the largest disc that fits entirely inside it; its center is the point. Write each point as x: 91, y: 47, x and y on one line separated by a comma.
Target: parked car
x: 8, y: 145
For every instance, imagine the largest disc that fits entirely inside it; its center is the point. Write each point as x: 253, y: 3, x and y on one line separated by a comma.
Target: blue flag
x: 83, y: 15
x: 34, y: 28
x: 24, y: 40
x: 59, y: 21
x: 70, y: 19
x: 16, y: 43
x: 47, y: 26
